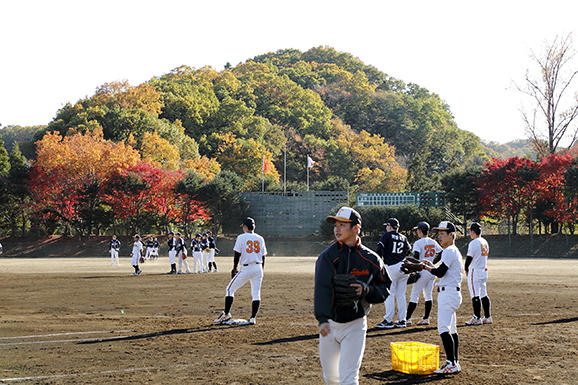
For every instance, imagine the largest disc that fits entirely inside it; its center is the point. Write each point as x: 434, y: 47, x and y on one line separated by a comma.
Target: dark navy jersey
x: 156, y: 244
x: 195, y: 245
x: 179, y: 245
x: 172, y: 243
x: 393, y: 247
x: 204, y: 244
x: 114, y: 244
x: 212, y: 244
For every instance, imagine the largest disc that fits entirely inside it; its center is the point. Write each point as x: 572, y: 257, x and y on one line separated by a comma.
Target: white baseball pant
x: 135, y: 259
x: 205, y: 264
x: 396, y: 293
x: 477, y: 279
x: 113, y: 256
x: 423, y: 285
x: 449, y: 301
x: 211, y: 255
x: 148, y: 253
x: 197, y: 261
x: 341, y: 351
x: 183, y: 262
x: 253, y: 272
x: 172, y: 256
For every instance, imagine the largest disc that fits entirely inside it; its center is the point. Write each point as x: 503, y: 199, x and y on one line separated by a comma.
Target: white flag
x: 310, y: 162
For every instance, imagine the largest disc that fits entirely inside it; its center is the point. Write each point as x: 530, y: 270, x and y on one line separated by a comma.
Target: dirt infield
x: 84, y: 321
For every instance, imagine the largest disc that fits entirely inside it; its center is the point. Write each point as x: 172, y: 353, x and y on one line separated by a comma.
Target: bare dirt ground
x: 84, y: 321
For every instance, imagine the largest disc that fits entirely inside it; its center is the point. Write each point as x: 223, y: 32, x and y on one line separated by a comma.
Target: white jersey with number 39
x: 252, y: 248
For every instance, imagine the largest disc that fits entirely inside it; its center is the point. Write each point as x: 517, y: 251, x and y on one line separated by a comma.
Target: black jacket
x: 393, y: 247
x: 359, y: 261
x: 171, y: 245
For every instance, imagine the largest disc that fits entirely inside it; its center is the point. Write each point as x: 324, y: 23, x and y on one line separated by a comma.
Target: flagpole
x: 285, y: 169
x: 263, y: 179
x: 307, y: 174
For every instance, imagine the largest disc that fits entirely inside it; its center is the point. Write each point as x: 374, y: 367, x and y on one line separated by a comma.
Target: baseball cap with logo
x: 345, y: 214
x: 423, y: 226
x: 446, y: 226
x: 393, y: 222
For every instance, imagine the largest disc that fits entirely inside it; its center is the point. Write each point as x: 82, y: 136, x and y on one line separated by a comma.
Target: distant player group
x: 382, y: 276
x: 203, y: 249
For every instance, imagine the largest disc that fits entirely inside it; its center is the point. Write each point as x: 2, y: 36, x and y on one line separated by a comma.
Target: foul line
x: 61, y: 341
x: 65, y: 334
x: 13, y: 379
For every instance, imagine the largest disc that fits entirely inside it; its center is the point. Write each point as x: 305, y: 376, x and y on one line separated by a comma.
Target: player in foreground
x: 250, y: 252
x: 449, y: 296
x: 424, y: 249
x: 477, y: 275
x: 348, y: 278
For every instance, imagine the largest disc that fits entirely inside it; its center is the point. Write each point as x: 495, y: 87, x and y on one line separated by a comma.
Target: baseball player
x: 172, y: 244
x: 136, y: 254
x: 212, y: 250
x: 449, y: 296
x: 181, y: 249
x: 149, y: 248
x: 155, y: 250
x: 343, y: 323
x: 424, y: 249
x: 477, y: 275
x: 113, y: 247
x: 250, y: 252
x: 1, y: 249
x: 205, y: 253
x: 197, y: 254
x: 393, y: 247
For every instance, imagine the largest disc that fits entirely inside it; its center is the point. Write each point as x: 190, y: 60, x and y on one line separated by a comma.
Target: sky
x: 470, y: 53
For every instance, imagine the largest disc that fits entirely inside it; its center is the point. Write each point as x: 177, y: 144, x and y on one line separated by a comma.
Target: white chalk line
x: 63, y: 341
x: 13, y: 379
x: 65, y: 334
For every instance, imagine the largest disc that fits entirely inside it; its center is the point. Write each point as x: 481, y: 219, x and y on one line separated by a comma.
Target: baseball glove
x: 411, y: 265
x: 413, y: 277
x: 141, y: 259
x: 234, y: 273
x: 184, y: 256
x: 345, y: 294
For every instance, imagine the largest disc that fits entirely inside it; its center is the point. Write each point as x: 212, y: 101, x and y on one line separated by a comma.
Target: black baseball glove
x: 411, y: 265
x: 233, y: 273
x: 345, y: 294
x: 413, y: 277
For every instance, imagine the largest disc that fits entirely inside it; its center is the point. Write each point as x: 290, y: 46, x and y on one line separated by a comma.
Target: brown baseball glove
x: 411, y: 265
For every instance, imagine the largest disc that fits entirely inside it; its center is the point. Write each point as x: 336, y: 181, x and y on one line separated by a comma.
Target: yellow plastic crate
x: 414, y: 357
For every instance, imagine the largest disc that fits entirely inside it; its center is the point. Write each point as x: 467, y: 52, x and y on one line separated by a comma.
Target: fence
x: 421, y: 199
x: 292, y: 214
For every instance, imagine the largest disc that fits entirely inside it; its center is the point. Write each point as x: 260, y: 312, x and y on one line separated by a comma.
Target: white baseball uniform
x: 252, y: 248
x: 172, y: 250
x: 479, y: 250
x: 136, y: 252
x: 197, y: 256
x: 181, y: 250
x: 427, y: 249
x: 449, y: 294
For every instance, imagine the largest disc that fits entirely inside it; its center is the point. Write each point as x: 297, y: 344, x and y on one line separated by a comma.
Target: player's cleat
x: 222, y: 318
x: 251, y: 321
x: 385, y: 325
x: 474, y: 321
x: 487, y: 321
x: 408, y: 322
x: 449, y: 368
x: 401, y: 324
x: 216, y: 271
x: 134, y: 274
x: 138, y: 272
x: 423, y: 321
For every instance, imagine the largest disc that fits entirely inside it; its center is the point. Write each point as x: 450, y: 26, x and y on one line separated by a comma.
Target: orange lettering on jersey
x: 358, y: 273
x: 430, y: 251
x: 253, y: 247
x: 485, y: 251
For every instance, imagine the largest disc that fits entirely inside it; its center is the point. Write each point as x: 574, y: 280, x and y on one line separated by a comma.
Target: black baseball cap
x: 393, y: 222
x: 171, y: 233
x: 423, y: 226
x: 345, y: 214
x: 446, y: 226
x: 249, y: 222
x: 476, y: 227
x: 197, y: 235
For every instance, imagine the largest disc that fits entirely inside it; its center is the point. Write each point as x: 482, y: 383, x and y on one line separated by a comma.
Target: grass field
x: 80, y: 320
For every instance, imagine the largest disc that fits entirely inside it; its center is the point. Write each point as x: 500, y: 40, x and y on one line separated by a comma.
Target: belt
x: 443, y: 288
x: 252, y: 263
